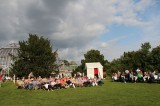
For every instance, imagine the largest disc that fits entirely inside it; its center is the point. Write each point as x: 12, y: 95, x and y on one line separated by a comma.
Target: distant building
x: 73, y: 65
x: 5, y: 56
x: 65, y: 70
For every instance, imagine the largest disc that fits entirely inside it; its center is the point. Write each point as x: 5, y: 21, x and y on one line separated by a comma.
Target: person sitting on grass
x: 151, y: 77
x: 29, y: 86
x: 58, y: 84
x: 62, y: 81
x: 53, y: 83
x: 114, y: 77
x: 140, y: 75
x: 94, y: 82
x: 47, y: 87
x: 30, y: 75
x: 123, y: 77
x: 146, y: 76
x: 135, y: 76
x: 131, y: 77
x: 35, y: 83
x: 19, y: 83
x: 100, y: 82
x: 71, y: 82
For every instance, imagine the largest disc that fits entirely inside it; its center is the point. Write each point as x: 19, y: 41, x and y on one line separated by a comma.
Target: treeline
x: 36, y: 55
x: 146, y: 58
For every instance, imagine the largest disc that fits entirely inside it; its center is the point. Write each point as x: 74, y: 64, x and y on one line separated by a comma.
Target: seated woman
x: 140, y: 75
x: 79, y: 82
x: 53, y: 83
x: 20, y: 84
x: 115, y: 77
x: 62, y: 81
x: 146, y: 76
x: 94, y: 83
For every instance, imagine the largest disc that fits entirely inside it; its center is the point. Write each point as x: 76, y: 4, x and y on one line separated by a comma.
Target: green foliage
x: 34, y: 55
x: 66, y: 62
x: 155, y: 58
x: 114, y: 66
x: 92, y: 56
x: 144, y: 58
x: 79, y: 69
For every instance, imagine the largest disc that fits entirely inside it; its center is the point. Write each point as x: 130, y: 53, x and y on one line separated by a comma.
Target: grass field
x: 110, y: 94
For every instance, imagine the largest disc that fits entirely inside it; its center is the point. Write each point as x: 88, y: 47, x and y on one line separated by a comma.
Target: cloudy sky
x: 77, y: 26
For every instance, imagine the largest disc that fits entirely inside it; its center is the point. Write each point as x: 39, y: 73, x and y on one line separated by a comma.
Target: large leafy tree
x: 93, y: 56
x: 34, y: 55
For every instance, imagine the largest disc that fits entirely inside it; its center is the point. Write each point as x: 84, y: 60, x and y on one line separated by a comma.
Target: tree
x: 133, y: 60
x: 34, y: 55
x: 93, y: 56
x: 144, y: 53
x: 155, y: 58
x: 66, y: 62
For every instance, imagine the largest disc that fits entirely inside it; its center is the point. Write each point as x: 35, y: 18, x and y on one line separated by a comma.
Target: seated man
x: 29, y: 84
x: 100, y: 82
x: 123, y: 77
x: 151, y: 77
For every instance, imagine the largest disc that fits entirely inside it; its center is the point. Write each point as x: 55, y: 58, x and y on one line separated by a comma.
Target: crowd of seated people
x: 52, y: 83
x: 136, y: 76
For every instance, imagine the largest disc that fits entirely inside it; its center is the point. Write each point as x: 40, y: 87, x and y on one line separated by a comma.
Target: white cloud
x: 72, y: 26
x: 151, y: 32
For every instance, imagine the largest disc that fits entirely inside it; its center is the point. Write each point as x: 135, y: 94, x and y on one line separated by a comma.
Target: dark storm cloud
x: 44, y: 18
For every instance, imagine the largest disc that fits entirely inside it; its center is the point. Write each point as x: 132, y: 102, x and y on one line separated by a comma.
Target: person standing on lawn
x: 0, y: 79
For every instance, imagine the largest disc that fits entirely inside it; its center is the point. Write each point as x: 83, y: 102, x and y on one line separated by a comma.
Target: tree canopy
x: 91, y: 56
x: 146, y: 59
x: 34, y: 55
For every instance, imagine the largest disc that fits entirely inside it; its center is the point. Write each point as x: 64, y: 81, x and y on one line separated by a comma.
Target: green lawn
x: 110, y: 94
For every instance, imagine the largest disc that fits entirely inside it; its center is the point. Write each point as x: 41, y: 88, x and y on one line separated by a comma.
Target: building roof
x: 94, y: 65
x: 9, y: 49
x: 73, y: 63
